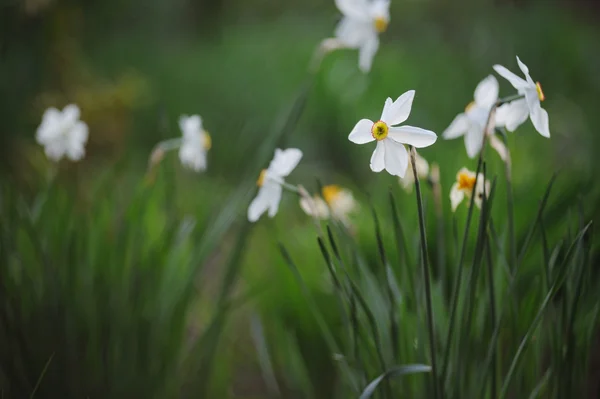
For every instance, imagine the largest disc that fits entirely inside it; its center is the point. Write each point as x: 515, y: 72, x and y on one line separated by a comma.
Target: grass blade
x: 392, y: 373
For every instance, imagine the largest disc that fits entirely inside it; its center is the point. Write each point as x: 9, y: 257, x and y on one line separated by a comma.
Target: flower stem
x: 426, y: 276
x: 509, y: 99
x: 510, y: 204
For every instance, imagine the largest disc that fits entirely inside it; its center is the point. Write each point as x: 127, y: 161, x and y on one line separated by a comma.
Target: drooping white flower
x: 390, y: 153
x: 270, y: 182
x: 361, y: 25
x: 195, y: 143
x: 463, y: 187
x: 472, y: 123
x: 408, y: 180
x: 516, y: 112
x: 336, y: 202
x: 63, y: 134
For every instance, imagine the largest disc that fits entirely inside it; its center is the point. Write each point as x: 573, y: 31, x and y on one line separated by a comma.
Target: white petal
x: 399, y: 110
x: 473, y: 140
x: 499, y: 146
x: 396, y: 158
x: 314, y: 206
x: 411, y: 135
x: 380, y: 9
x: 192, y: 156
x: 367, y: 51
x: 378, y: 158
x: 538, y: 115
x: 353, y: 33
x: 190, y: 125
x: 357, y: 9
x: 486, y: 93
x: 70, y: 114
x: 457, y: 128
x: 285, y: 161
x: 75, y: 146
x: 517, y: 113
x: 456, y: 196
x: 55, y: 151
x: 517, y: 82
x: 361, y: 133
x: 525, y: 71
x: 262, y: 202
x: 275, y: 199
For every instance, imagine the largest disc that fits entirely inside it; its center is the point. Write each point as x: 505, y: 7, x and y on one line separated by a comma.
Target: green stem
x: 512, y: 245
x: 509, y: 99
x: 426, y: 276
x: 490, y: 266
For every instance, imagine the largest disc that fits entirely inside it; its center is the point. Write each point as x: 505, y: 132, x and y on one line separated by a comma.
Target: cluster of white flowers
x: 63, y: 134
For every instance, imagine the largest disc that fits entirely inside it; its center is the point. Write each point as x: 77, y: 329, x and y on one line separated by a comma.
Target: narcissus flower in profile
x: 361, y: 25
x: 336, y: 202
x: 473, y: 122
x: 195, y: 143
x: 390, y: 153
x: 408, y: 180
x: 62, y: 134
x: 270, y: 183
x: 463, y: 188
x: 516, y: 112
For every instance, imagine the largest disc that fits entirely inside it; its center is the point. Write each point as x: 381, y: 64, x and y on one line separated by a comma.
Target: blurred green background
x: 134, y: 66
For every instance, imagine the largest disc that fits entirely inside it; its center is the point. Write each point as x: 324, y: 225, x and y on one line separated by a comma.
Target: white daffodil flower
x: 408, y: 180
x: 390, y: 153
x: 516, y: 112
x: 270, y: 183
x: 361, y: 25
x: 195, y: 143
x: 472, y: 123
x: 63, y: 134
x: 465, y: 181
x: 336, y: 202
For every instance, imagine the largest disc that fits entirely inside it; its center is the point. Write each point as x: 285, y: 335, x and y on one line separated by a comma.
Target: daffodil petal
x: 190, y: 125
x: 399, y: 110
x: 456, y: 196
x: 262, y: 201
x: 378, y: 158
x: 411, y: 135
x: 486, y: 92
x: 457, y: 128
x: 473, y: 140
x: 517, y: 82
x: 396, y: 158
x: 367, y: 52
x: 538, y: 115
x: 357, y: 9
x: 275, y: 191
x: 361, y: 134
x: 285, y: 161
x: 516, y: 113
x: 353, y: 32
x: 71, y: 113
x: 525, y: 71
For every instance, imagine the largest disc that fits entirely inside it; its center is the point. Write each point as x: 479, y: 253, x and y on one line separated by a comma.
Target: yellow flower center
x: 261, y: 178
x: 469, y: 106
x: 379, y: 131
x: 380, y: 24
x: 540, y: 92
x: 331, y: 192
x: 466, y: 181
x: 207, y: 141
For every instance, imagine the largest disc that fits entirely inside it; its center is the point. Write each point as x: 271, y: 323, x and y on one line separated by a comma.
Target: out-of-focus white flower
x: 315, y: 206
x: 513, y: 114
x: 463, y: 187
x: 408, y: 180
x: 336, y: 202
x: 361, y: 25
x: 472, y: 122
x: 195, y: 143
x: 270, y: 182
x: 390, y: 153
x: 63, y: 134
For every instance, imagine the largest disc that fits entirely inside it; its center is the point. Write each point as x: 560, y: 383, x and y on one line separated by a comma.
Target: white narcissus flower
x: 63, y: 134
x: 195, y: 143
x: 360, y: 27
x: 408, y: 180
x: 473, y: 122
x: 390, y: 153
x: 336, y: 202
x: 465, y: 181
x: 270, y: 182
x: 516, y: 112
